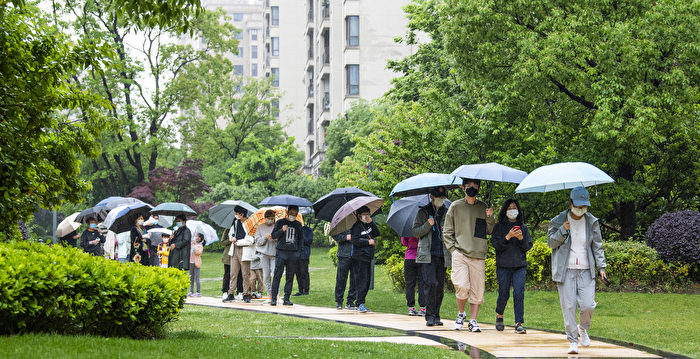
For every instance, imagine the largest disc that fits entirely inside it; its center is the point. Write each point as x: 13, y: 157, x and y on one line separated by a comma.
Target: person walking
x: 238, y: 266
x: 266, y: 246
x: 467, y: 223
x: 431, y: 253
x: 196, y: 264
x: 91, y: 239
x: 412, y: 276
x: 577, y: 249
x: 344, y: 269
x: 181, y: 245
x: 140, y: 243
x: 302, y: 274
x: 363, y: 238
x: 288, y: 233
x: 511, y: 239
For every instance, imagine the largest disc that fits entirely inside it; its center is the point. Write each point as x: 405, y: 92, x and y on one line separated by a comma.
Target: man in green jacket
x: 467, y: 223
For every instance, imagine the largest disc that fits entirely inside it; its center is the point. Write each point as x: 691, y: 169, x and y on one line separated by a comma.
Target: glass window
x: 276, y: 76
x: 238, y: 35
x: 276, y: 107
x: 237, y: 16
x: 254, y: 52
x: 254, y: 70
x: 238, y: 69
x: 253, y: 34
x: 275, y: 46
x: 352, y: 29
x: 353, y: 79
x: 240, y: 52
x: 275, y: 15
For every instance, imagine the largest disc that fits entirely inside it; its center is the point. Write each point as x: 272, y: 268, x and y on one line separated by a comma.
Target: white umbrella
x: 67, y: 225
x: 564, y: 175
x: 208, y: 231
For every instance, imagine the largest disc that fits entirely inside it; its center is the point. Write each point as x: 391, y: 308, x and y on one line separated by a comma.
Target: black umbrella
x: 98, y: 213
x: 404, y: 211
x: 327, y: 205
x: 285, y: 200
x: 122, y: 218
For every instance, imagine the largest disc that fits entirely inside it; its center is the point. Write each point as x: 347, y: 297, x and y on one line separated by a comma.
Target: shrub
x: 394, y: 269
x: 215, y: 247
x: 333, y: 255
x: 539, y: 262
x: 64, y: 290
x: 675, y: 236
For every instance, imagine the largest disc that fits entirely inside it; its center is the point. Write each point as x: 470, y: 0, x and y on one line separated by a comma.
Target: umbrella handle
x: 488, y: 196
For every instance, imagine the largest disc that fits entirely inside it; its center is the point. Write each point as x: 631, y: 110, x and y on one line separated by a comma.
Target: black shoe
x: 438, y: 322
x: 273, y: 302
x: 499, y: 324
x: 339, y: 306
x: 350, y: 307
x: 429, y: 322
x: 230, y: 298
x: 305, y: 293
x: 287, y: 302
x: 297, y: 294
x: 519, y: 329
x: 246, y: 298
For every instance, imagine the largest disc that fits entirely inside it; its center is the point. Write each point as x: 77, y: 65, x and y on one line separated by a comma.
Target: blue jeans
x: 516, y: 277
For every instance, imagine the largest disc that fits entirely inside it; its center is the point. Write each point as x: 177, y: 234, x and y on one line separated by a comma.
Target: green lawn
x: 660, y: 321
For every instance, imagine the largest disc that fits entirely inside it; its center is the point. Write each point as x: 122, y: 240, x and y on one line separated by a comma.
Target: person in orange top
x: 164, y: 250
x: 196, y: 264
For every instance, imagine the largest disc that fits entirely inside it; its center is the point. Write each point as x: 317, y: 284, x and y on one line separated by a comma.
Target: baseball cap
x: 580, y: 196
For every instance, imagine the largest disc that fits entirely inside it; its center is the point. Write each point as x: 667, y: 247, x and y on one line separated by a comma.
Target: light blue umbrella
x: 107, y: 200
x: 223, y: 213
x: 285, y: 200
x: 491, y: 171
x: 403, y: 212
x: 564, y: 175
x: 422, y: 183
x: 173, y: 209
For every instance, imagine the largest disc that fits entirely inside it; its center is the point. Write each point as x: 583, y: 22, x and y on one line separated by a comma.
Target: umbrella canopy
x: 422, y: 183
x: 285, y: 200
x: 98, y: 213
x: 564, y: 175
x: 161, y: 230
x: 345, y: 218
x: 164, y: 221
x: 122, y: 218
x: 173, y: 209
x: 110, y: 205
x: 327, y: 205
x: 490, y: 172
x: 67, y: 225
x: 208, y: 231
x: 403, y: 212
x: 251, y: 224
x: 223, y: 213
x: 107, y: 200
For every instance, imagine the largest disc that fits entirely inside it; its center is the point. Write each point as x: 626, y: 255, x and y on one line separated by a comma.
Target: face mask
x: 269, y: 221
x: 512, y: 213
x: 165, y: 240
x: 140, y: 222
x: 155, y: 222
x: 578, y: 212
x: 93, y: 225
x: 472, y: 192
x: 364, y: 219
x: 438, y: 201
x: 180, y: 224
x: 291, y: 218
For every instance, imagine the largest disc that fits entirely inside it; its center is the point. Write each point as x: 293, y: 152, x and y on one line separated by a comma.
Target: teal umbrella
x: 173, y: 209
x: 223, y: 214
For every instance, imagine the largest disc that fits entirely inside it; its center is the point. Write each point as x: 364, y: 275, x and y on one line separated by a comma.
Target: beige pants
x: 469, y: 277
x: 244, y: 267
x: 256, y: 280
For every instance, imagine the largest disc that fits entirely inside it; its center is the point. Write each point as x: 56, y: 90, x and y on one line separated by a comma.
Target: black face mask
x: 472, y: 192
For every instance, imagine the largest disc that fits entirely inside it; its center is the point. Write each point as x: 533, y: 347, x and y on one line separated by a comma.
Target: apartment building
x: 326, y: 54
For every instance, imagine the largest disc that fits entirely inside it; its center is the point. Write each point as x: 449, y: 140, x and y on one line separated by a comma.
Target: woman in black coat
x: 140, y: 243
x: 180, y: 245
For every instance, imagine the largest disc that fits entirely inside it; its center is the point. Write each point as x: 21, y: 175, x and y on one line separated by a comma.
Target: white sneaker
x: 459, y: 323
x: 239, y: 296
x: 224, y: 295
x: 573, y: 348
x: 474, y: 326
x: 583, y: 337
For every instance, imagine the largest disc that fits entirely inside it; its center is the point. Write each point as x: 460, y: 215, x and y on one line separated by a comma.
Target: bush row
x: 64, y: 290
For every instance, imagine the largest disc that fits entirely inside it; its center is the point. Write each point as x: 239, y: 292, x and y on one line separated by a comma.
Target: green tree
x: 266, y: 165
x: 339, y: 135
x: 45, y: 121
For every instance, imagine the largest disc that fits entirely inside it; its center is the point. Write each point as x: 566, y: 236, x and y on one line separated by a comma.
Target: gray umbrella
x: 223, y: 213
x: 173, y: 209
x: 404, y: 211
x: 345, y: 218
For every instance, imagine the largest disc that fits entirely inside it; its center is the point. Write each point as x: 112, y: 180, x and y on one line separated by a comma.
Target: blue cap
x: 580, y: 196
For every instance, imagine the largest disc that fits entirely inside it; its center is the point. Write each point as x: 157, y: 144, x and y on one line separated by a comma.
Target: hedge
x: 64, y: 290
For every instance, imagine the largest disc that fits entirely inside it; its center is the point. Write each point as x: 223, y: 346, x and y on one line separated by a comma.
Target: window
x: 238, y: 70
x: 276, y: 107
x: 275, y: 46
x: 254, y: 52
x: 237, y: 16
x: 240, y: 52
x: 276, y: 76
x: 353, y: 79
x: 254, y: 70
x: 352, y: 29
x: 253, y: 34
x: 238, y: 35
x: 275, y: 15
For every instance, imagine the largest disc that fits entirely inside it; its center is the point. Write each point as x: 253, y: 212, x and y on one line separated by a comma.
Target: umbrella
x: 98, y: 213
x: 107, y: 200
x: 67, y: 225
x: 122, y: 218
x: 208, y: 231
x: 110, y: 205
x: 164, y: 221
x: 251, y: 224
x: 422, y: 183
x: 223, y: 215
x: 173, y: 209
x: 326, y: 206
x: 161, y: 230
x: 285, y: 200
x: 564, y: 175
x: 490, y: 172
x: 345, y: 218
x: 404, y: 211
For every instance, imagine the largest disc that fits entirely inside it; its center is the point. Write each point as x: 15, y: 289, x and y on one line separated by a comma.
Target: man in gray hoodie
x: 577, y: 249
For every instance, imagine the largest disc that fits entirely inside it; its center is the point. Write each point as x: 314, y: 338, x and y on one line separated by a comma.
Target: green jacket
x: 226, y: 242
x: 466, y: 227
x: 423, y: 230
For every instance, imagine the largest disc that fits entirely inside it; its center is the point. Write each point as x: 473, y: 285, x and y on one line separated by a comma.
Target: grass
x: 215, y: 333
x: 659, y: 321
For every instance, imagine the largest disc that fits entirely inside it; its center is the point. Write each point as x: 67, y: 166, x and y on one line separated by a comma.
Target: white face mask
x: 512, y: 213
x: 140, y: 222
x: 578, y: 212
x: 269, y: 221
x: 364, y: 218
x: 438, y: 201
x: 291, y: 218
x: 180, y: 224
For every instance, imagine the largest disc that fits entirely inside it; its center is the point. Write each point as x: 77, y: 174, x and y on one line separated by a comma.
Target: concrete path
x: 488, y: 343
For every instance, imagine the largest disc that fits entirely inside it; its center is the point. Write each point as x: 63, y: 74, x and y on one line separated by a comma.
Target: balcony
x: 326, y: 57
x: 310, y: 126
x: 326, y: 101
x: 311, y: 15
x: 326, y: 10
x: 310, y: 90
x: 311, y: 53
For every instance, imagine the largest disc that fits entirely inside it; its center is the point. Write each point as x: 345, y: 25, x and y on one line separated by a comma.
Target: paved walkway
x: 489, y: 342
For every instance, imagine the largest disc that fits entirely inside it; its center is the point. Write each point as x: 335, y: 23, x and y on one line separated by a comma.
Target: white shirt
x: 578, y: 255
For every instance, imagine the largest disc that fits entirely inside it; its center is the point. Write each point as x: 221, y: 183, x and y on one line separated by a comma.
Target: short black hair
x: 438, y: 191
x: 240, y: 210
x: 269, y: 213
x: 181, y: 216
x: 293, y: 207
x: 363, y: 209
x: 467, y: 180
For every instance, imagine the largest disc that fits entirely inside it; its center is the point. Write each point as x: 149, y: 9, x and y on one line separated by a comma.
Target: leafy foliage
x: 675, y: 236
x: 339, y: 134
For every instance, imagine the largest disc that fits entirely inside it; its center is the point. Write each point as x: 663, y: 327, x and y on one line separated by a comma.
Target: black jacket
x: 291, y: 240
x: 510, y: 253
x: 361, y: 233
x: 89, y: 236
x: 180, y: 256
x: 143, y: 244
x: 308, y: 236
x: 344, y: 246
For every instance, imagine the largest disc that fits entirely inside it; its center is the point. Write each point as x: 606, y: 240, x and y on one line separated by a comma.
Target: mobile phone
x: 516, y: 227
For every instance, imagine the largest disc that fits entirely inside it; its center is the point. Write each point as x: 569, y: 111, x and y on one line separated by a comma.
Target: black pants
x: 363, y: 273
x: 412, y: 273
x: 341, y: 279
x: 303, y: 275
x: 227, y: 278
x: 434, y: 286
x: 284, y: 261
